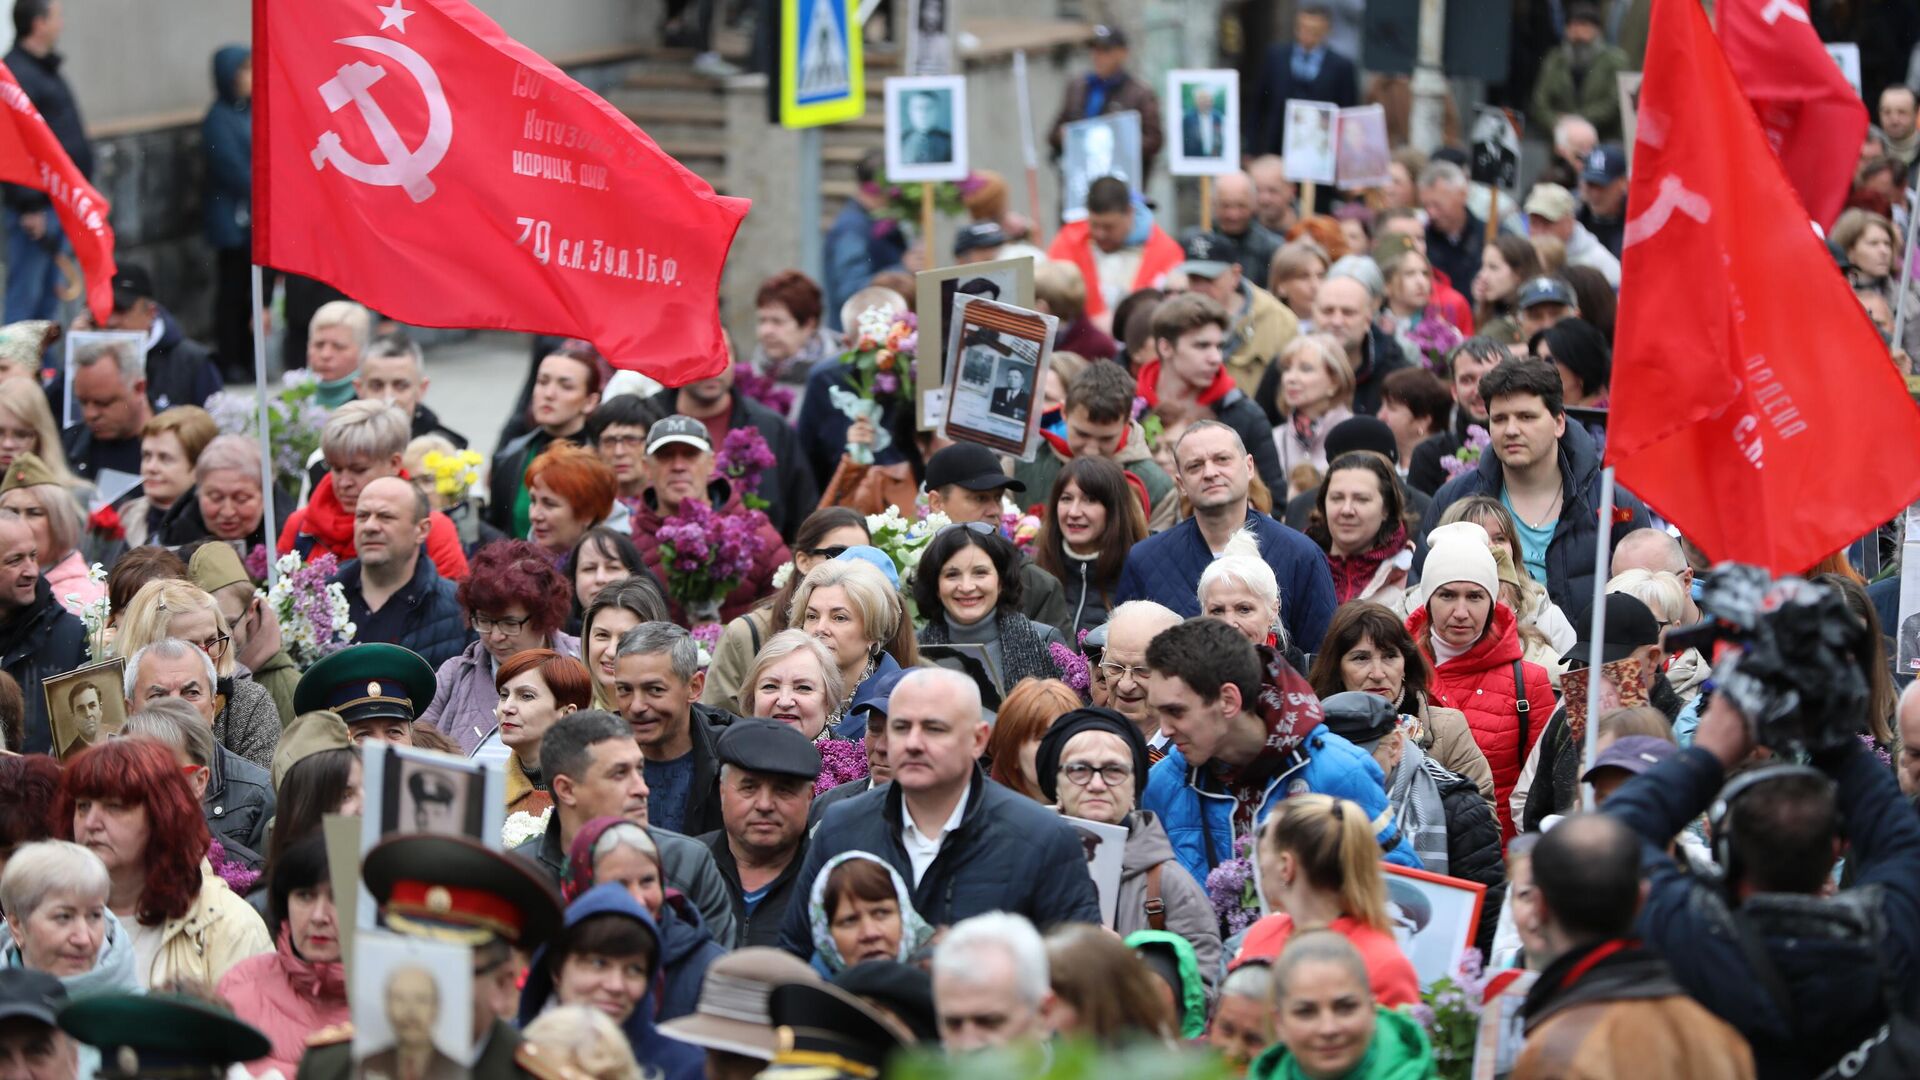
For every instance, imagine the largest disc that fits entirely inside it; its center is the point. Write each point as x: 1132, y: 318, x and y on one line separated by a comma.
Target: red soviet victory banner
x: 414, y: 156
x: 31, y: 157
x: 1812, y: 117
x: 1753, y: 403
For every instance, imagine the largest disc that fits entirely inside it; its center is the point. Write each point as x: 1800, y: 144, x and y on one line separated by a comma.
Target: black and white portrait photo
x: 997, y: 365
x: 926, y: 128
x: 1209, y: 102
x: 1434, y: 918
x: 930, y: 38
x: 1106, y: 145
x: 1013, y: 391
x: 1309, y: 145
x: 86, y: 706
x: 1496, y: 148
x: 940, y: 292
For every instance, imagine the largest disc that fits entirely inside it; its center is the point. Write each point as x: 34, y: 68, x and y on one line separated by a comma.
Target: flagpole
x: 266, y: 427
x: 1905, y: 279
x: 1601, y: 552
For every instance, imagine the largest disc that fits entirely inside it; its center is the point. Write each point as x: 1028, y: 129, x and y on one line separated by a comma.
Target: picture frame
x: 1104, y: 845
x: 997, y: 359
x: 411, y: 991
x: 1007, y: 280
x: 415, y: 791
x: 1434, y: 918
x: 78, y: 719
x: 1907, y: 640
x: 1362, y: 159
x: 1107, y: 145
x: 930, y: 44
x: 85, y: 345
x: 1308, y: 146
x: 1496, y: 148
x: 926, y: 128
x: 1208, y: 129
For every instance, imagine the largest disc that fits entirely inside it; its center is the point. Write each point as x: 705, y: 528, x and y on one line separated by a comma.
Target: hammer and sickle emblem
x: 403, y: 168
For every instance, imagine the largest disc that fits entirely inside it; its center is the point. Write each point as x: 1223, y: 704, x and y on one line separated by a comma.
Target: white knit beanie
x: 1461, y: 551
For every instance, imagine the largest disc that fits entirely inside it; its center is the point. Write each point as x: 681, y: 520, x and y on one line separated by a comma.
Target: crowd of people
x: 810, y: 725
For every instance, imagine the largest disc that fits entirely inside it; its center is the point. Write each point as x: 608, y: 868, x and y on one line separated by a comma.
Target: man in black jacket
x: 34, y: 239
x: 964, y: 843
x: 180, y: 370
x: 394, y: 593
x: 1306, y: 68
x: 39, y: 638
x: 789, y: 486
x: 657, y: 683
x: 767, y: 773
x: 395, y: 371
x: 110, y: 393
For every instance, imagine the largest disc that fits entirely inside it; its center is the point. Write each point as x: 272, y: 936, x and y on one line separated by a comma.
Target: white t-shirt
x: 146, y: 946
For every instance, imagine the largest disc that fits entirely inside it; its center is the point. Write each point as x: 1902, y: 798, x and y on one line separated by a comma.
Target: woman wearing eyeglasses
x: 515, y: 600
x: 1093, y: 764
x: 246, y: 721
x: 968, y: 589
x: 825, y: 534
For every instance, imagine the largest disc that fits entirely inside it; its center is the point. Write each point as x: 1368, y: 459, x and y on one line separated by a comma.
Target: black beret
x: 1046, y: 761
x: 768, y: 746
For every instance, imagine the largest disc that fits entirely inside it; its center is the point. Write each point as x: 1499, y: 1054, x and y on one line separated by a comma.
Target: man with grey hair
x: 361, y: 442
x: 991, y: 985
x: 1123, y: 667
x: 657, y: 680
x: 963, y: 843
x: 394, y: 371
x: 1235, y: 200
x: 1655, y: 550
x: 110, y: 393
x: 39, y: 637
x: 171, y: 668
x: 1344, y: 308
x: 1454, y: 236
x: 1242, y: 1024
x: 1215, y: 472
x: 235, y: 794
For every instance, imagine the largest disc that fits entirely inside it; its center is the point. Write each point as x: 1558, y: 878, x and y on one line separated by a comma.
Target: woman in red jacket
x: 1473, y: 643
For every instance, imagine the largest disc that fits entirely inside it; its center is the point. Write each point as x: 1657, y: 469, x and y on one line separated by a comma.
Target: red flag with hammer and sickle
x: 415, y: 157
x: 1753, y: 403
x: 32, y: 157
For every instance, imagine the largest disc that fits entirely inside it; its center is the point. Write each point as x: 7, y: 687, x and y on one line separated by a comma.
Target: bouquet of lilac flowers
x: 312, y: 607
x: 1467, y: 458
x: 842, y: 761
x: 764, y: 389
x: 1072, y: 666
x: 1435, y: 338
x: 705, y: 555
x: 1450, y: 1011
x: 743, y: 456
x: 294, y: 420
x: 1231, y: 888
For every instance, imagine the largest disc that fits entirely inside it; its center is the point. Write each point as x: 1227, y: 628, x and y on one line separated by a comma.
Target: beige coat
x: 1449, y: 741
x: 218, y: 931
x: 733, y: 657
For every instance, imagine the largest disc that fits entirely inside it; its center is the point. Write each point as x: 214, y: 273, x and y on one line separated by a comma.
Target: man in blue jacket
x: 1246, y: 732
x: 393, y: 591
x: 1838, y: 962
x: 966, y: 844
x: 1546, y: 472
x: 1214, y: 471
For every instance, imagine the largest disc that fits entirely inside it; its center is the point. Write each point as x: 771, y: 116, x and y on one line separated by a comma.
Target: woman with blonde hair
x: 1319, y: 867
x: 27, y: 427
x: 849, y: 604
x: 227, y: 502
x: 57, y: 522
x: 1316, y: 393
x: 245, y: 719
x: 578, y: 1041
x: 794, y: 680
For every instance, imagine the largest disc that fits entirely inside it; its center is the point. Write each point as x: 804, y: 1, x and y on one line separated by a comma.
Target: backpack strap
x: 1521, y: 707
x: 1155, y: 907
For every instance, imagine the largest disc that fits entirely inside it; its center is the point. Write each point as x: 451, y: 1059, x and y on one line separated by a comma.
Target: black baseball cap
x: 131, y: 282
x: 1630, y: 626
x: 760, y: 745
x: 1208, y: 255
x: 1109, y: 37
x: 978, y: 237
x: 31, y: 994
x: 971, y: 466
x: 1634, y: 753
x: 1361, y: 718
x: 1607, y: 163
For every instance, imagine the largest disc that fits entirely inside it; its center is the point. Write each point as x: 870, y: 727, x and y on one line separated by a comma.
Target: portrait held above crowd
x: 1391, y: 563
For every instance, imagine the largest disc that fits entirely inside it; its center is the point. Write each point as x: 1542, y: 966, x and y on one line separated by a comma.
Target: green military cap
x: 823, y: 1031
x: 27, y: 470
x: 371, y: 681
x: 453, y: 888
x: 161, y: 1035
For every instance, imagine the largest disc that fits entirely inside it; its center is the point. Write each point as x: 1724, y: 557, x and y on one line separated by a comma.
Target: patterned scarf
x: 1353, y: 573
x: 1021, y: 654
x: 1291, y: 710
x: 1417, y: 809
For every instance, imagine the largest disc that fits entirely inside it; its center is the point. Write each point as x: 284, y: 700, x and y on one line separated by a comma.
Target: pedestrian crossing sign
x: 822, y: 79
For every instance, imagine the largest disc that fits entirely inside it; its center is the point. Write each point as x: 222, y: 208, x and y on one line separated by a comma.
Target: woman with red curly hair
x: 572, y: 490
x: 515, y: 600
x: 128, y: 802
x: 536, y: 688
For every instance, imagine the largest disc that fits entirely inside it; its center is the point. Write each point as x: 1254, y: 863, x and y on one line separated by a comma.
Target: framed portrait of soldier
x: 1362, y: 159
x: 1209, y: 101
x: 1104, y: 845
x: 1434, y: 918
x: 1308, y: 145
x: 412, y: 1002
x: 930, y: 37
x: 86, y: 706
x: 997, y: 357
x: 1009, y: 281
x: 926, y: 128
x: 419, y: 791
x: 1106, y: 145
x: 1496, y: 148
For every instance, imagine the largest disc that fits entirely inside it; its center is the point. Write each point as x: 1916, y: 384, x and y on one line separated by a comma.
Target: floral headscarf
x: 578, y: 875
x: 914, y: 931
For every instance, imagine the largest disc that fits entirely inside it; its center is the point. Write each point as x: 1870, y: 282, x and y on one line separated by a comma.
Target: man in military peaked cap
x: 378, y: 689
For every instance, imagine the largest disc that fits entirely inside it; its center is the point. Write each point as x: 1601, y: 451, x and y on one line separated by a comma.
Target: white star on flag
x: 394, y: 15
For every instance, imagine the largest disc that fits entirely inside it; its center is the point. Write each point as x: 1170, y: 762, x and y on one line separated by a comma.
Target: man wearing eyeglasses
x: 1123, y: 667
x: 1092, y: 763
